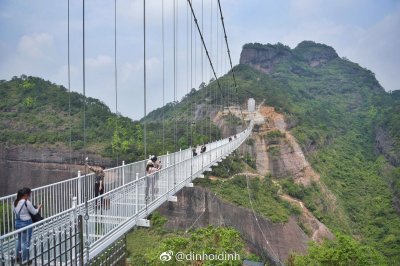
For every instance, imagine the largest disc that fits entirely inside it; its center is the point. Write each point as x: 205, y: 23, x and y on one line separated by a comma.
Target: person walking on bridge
x: 152, y: 167
x: 23, y: 209
x: 98, y: 180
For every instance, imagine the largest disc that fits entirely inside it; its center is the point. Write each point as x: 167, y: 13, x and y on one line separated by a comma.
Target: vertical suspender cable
x: 175, y: 126
x: 217, y: 42
x: 83, y: 79
x: 218, y: 64
x: 163, y: 75
x: 69, y: 101
x: 115, y: 70
x: 210, y: 68
x: 191, y: 73
x: 84, y: 123
x: 202, y: 55
x: 187, y: 71
x: 221, y: 59
x: 195, y: 61
x: 144, y: 81
x: 230, y: 60
x: 195, y: 80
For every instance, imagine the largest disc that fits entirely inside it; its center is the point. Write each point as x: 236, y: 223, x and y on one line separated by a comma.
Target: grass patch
x: 264, y: 194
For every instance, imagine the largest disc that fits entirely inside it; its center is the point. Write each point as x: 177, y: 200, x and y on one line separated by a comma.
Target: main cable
x: 207, y: 53
x: 230, y: 60
x: 144, y: 80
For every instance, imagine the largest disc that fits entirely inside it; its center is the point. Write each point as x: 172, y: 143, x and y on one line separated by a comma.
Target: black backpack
x: 35, y: 217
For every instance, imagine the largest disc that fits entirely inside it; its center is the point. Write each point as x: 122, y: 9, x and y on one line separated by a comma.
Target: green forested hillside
x: 334, y: 108
x: 348, y: 126
x: 36, y: 112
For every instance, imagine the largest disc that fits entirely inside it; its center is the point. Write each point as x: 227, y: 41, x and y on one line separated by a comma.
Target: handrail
x: 110, y: 215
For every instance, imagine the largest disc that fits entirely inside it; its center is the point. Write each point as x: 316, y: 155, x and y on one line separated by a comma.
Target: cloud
x: 35, y: 45
x: 99, y: 61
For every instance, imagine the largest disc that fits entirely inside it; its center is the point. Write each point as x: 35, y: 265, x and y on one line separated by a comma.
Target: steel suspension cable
x: 86, y: 217
x: 230, y: 60
x: 144, y: 81
x: 175, y: 122
x: 208, y: 56
x: 202, y: 71
x: 187, y: 71
x: 115, y: 71
x: 191, y: 72
x: 211, y: 92
x: 195, y: 81
x: 69, y: 96
x: 274, y: 255
x: 84, y: 78
x: 163, y: 75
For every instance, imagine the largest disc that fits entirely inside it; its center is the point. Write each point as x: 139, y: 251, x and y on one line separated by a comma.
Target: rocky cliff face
x: 29, y: 166
x: 198, y: 207
x: 315, y: 53
x: 384, y: 145
x: 265, y: 57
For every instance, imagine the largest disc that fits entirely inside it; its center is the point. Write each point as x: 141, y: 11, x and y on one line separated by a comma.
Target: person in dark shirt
x: 203, y: 148
x: 98, y: 180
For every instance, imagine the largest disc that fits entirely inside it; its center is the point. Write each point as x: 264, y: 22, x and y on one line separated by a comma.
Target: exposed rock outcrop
x: 315, y: 53
x: 30, y: 166
x: 264, y: 57
x: 384, y: 145
x: 198, y: 207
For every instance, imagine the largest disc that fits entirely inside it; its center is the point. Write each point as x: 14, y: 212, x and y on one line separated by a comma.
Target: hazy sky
x: 33, y: 41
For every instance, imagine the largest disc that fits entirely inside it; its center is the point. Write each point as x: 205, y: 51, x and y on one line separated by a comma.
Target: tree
x: 343, y: 250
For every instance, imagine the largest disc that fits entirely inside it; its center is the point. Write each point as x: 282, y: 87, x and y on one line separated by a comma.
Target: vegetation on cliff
x: 333, y: 106
x: 156, y: 240
x: 334, y: 109
x: 343, y: 250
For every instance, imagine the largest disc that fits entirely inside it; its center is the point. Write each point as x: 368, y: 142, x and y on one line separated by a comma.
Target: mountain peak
x: 265, y: 57
x: 315, y: 53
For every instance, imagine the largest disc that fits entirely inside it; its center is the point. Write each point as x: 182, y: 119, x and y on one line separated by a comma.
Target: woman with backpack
x: 23, y: 209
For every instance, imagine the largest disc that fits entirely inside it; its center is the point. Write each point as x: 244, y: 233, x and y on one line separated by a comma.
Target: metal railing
x: 108, y: 217
x: 57, y: 197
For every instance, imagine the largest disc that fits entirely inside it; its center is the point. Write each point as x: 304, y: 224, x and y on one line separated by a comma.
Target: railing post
x: 73, y: 229
x: 167, y: 159
x: 137, y: 194
x: 81, y: 248
x: 123, y: 172
x: 74, y: 205
x: 79, y: 187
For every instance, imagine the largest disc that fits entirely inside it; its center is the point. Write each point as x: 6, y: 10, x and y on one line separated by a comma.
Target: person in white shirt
x: 23, y: 208
x: 152, y: 167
